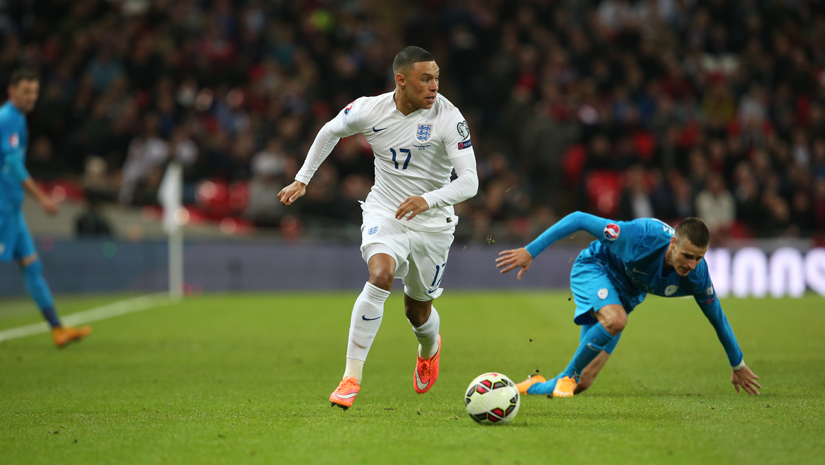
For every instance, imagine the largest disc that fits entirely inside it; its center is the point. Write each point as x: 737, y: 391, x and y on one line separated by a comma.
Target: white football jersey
x: 413, y: 154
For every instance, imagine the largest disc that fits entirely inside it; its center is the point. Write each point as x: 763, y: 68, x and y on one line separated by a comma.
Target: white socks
x: 367, y: 314
x: 355, y: 368
x: 366, y: 319
x: 427, y: 335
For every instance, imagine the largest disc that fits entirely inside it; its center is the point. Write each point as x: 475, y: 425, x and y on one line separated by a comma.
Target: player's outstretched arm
x: 746, y: 379
x: 574, y: 222
x: 321, y: 147
x: 511, y: 259
x: 292, y: 192
x: 17, y: 170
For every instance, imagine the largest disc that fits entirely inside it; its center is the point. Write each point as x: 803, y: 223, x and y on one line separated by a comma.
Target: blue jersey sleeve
x: 12, y: 148
x: 706, y: 297
x: 608, y: 231
x: 16, y: 167
x: 9, y: 134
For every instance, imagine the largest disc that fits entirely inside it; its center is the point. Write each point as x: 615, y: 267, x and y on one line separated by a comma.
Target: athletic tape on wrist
x: 740, y: 366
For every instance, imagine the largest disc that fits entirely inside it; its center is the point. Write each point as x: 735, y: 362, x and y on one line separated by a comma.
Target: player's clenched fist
x: 292, y: 192
x: 411, y: 206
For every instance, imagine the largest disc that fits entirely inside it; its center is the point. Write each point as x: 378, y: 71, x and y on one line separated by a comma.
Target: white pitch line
x: 121, y: 307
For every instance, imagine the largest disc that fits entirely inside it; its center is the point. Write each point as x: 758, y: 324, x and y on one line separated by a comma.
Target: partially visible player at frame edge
x: 613, y: 275
x: 418, y: 137
x: 15, y: 240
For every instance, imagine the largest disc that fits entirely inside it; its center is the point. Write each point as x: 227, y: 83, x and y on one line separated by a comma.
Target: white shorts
x: 420, y: 257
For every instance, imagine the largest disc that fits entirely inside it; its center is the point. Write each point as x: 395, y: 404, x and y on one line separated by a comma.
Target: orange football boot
x: 63, y: 335
x: 345, y: 395
x: 531, y: 380
x: 426, y: 371
x: 565, y: 387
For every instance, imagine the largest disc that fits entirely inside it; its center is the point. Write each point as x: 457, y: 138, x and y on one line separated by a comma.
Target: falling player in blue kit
x: 613, y: 275
x: 15, y: 240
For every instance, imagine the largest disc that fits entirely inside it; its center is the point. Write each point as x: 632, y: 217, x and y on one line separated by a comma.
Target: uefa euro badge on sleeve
x: 423, y: 133
x: 463, y: 130
x: 611, y: 232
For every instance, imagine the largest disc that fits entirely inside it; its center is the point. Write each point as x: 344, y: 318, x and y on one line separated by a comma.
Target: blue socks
x: 611, y: 346
x: 40, y: 293
x: 544, y: 388
x: 594, y: 339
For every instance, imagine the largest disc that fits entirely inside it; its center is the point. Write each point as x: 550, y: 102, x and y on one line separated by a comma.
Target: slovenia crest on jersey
x: 423, y: 133
x: 14, y: 141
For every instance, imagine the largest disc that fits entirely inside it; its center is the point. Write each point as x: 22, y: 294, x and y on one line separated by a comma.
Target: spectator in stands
x: 263, y: 207
x: 682, y: 199
x: 91, y: 223
x: 776, y: 216
x: 746, y: 193
x: 41, y: 161
x: 716, y: 206
x: 714, y: 89
x: 146, y: 153
x: 635, y: 201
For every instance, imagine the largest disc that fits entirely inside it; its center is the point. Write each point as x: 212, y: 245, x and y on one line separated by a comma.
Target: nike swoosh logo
x: 378, y: 130
x: 637, y: 271
x: 592, y: 348
x: 430, y: 292
x: 421, y: 386
x: 346, y: 396
x: 364, y: 317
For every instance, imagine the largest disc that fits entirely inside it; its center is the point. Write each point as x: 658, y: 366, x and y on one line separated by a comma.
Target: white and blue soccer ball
x: 492, y: 399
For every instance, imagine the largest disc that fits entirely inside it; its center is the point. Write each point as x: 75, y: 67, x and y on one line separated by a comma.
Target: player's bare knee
x: 382, y: 278
x: 616, y: 324
x: 622, y: 323
x: 613, y: 318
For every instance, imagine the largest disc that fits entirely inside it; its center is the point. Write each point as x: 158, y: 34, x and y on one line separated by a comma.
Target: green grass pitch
x: 226, y: 379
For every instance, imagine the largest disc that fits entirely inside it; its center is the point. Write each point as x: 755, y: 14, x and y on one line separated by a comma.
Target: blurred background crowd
x: 622, y: 108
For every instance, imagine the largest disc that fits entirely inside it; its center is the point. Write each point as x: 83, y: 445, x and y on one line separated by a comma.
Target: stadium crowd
x: 624, y: 108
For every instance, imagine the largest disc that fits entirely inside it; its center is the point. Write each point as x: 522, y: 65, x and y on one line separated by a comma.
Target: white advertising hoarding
x: 752, y: 272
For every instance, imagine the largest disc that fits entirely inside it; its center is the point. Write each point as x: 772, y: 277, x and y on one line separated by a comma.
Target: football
x: 492, y: 399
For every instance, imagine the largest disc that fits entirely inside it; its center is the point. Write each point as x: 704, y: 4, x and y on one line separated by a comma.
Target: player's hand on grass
x: 747, y: 379
x: 292, y: 192
x: 411, y: 206
x: 512, y: 259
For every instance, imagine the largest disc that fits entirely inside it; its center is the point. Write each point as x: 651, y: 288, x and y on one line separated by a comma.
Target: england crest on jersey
x: 423, y: 133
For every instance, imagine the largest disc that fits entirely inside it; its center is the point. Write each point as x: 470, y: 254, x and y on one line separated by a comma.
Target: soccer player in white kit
x: 418, y: 137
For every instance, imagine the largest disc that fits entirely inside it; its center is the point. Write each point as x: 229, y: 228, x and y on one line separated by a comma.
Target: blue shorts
x: 15, y: 240
x: 592, y: 289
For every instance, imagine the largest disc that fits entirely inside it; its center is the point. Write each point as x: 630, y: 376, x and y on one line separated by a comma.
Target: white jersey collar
x: 394, y: 111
